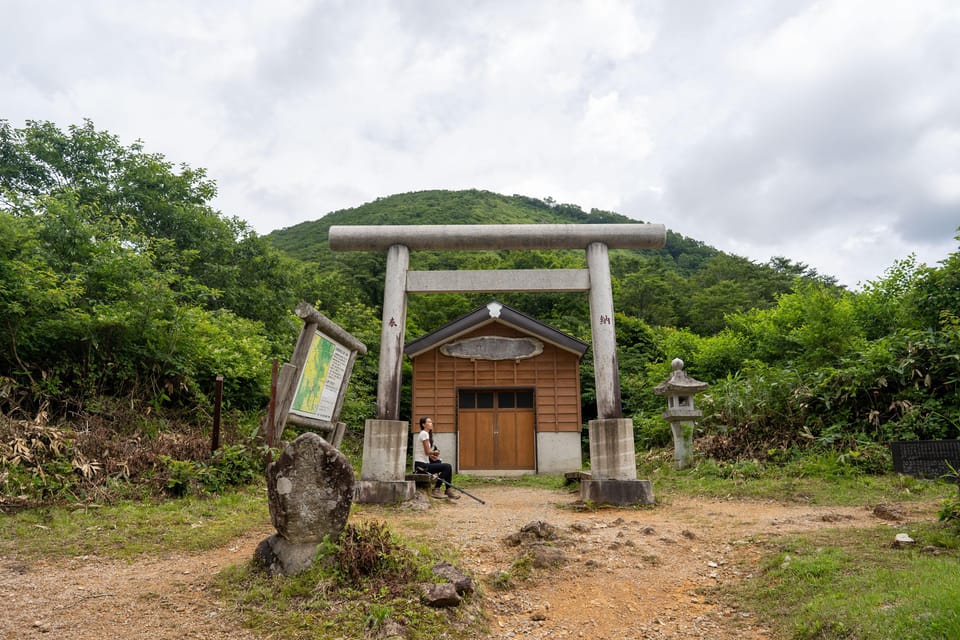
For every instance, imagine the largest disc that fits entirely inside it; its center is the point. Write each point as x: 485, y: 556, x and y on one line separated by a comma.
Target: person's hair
x: 423, y: 421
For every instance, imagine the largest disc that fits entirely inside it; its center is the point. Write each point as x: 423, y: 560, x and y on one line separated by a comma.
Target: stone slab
x: 378, y: 492
x: 278, y: 556
x: 619, y: 492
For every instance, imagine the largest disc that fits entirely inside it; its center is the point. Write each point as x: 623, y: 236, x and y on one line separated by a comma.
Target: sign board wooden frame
x: 311, y: 387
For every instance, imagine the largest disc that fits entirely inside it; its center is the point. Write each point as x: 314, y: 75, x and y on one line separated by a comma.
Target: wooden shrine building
x: 503, y: 390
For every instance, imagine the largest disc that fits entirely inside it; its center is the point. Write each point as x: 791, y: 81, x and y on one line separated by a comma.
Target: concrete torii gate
x: 613, y: 462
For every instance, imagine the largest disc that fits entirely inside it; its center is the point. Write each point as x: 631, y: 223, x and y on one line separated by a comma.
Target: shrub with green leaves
x: 369, y: 551
x: 950, y: 513
x: 233, y: 465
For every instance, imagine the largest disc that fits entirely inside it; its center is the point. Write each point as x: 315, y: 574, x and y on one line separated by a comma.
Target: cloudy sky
x: 827, y: 132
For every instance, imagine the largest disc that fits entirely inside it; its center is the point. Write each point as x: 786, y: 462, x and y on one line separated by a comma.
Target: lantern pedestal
x: 682, y: 444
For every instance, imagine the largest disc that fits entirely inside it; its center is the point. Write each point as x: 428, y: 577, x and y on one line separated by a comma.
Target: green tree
x: 118, y: 269
x: 816, y: 325
x: 938, y: 290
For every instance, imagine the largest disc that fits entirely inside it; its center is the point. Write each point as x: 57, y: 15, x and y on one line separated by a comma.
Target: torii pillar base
x: 384, y: 457
x: 619, y: 492
x: 613, y: 466
x: 381, y: 492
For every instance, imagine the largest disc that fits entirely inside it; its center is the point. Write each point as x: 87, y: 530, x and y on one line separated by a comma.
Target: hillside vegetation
x: 123, y: 294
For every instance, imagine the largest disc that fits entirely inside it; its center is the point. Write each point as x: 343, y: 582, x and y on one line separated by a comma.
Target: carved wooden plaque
x: 493, y: 348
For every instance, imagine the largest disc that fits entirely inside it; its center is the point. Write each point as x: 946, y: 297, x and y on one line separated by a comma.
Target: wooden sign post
x: 311, y: 387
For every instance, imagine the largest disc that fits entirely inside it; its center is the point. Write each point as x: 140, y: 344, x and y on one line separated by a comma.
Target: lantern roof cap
x: 679, y: 382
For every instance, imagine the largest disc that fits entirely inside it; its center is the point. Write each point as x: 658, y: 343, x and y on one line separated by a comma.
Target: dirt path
x: 627, y: 573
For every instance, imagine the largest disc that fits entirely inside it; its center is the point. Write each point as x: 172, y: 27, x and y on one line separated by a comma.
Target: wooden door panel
x: 526, y: 440
x: 515, y: 445
x: 467, y: 439
x: 477, y: 448
x: 506, y: 439
x: 485, y: 445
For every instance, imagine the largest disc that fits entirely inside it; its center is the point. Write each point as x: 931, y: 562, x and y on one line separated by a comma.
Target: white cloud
x: 827, y: 132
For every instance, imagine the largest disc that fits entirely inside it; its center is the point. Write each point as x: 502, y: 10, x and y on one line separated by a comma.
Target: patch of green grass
x: 521, y: 569
x: 541, y: 481
x: 329, y: 601
x: 418, y: 525
x: 819, y: 479
x: 835, y: 584
x: 501, y: 580
x: 129, y: 529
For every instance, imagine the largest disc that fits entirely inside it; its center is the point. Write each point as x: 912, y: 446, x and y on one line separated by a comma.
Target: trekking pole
x: 436, y: 476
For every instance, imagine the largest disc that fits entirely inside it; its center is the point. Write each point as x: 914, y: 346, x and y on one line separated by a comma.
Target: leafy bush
x: 950, y: 513
x: 759, y: 409
x: 369, y: 551
x: 230, y: 466
x: 868, y: 457
x: 651, y: 431
x: 744, y: 469
x: 237, y: 465
x: 183, y: 477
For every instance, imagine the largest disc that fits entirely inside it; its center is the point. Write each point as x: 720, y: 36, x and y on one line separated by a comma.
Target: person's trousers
x: 442, y: 469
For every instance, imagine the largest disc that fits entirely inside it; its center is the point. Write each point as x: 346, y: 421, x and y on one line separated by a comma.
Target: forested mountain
x: 686, y: 283
x: 123, y: 294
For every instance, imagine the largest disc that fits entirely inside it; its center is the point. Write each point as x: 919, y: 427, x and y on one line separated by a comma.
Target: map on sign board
x: 321, y: 379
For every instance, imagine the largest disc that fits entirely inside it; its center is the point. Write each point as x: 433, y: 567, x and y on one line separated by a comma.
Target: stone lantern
x: 681, y: 414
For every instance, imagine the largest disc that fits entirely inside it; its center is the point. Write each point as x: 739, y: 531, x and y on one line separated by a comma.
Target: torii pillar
x: 612, y: 456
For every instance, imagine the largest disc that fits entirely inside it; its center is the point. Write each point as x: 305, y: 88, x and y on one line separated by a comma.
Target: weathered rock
x: 540, y: 529
x: 460, y: 580
x: 391, y: 630
x: 888, y: 512
x: 278, y: 556
x: 440, y: 595
x: 545, y: 556
x: 902, y: 540
x: 532, y: 532
x: 310, y: 489
x: 834, y: 517
x: 514, y: 539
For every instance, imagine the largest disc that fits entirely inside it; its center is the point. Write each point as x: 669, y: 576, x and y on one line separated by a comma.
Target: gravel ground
x: 620, y: 574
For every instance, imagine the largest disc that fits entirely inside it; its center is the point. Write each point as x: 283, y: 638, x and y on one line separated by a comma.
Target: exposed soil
x: 625, y: 573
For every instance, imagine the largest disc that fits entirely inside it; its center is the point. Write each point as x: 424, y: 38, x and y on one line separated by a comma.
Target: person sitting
x: 426, y: 459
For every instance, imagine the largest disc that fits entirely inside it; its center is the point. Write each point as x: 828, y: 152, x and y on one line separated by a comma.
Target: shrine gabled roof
x: 490, y: 313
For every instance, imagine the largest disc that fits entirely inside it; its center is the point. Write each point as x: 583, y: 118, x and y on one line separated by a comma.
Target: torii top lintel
x: 480, y: 237
x: 596, y: 239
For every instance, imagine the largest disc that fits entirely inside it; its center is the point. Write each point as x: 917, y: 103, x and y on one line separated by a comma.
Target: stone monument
x: 310, y: 490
